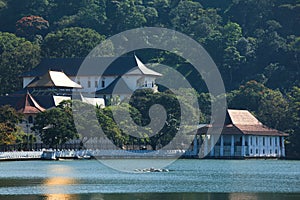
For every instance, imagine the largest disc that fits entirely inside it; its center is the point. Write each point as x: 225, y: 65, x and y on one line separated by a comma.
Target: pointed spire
x: 144, y: 70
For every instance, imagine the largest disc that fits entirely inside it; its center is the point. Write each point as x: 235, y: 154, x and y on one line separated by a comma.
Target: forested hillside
x: 255, y: 44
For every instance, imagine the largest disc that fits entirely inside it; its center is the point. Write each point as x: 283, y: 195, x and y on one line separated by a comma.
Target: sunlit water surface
x: 187, y: 179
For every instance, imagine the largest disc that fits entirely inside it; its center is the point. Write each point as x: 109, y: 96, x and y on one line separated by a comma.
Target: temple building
x: 242, y: 136
x: 121, y: 77
x: 56, y: 79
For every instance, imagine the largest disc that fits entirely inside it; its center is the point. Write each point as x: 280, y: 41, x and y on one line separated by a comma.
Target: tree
x: 17, y: 55
x: 55, y: 126
x: 71, y: 42
x: 10, y: 133
x: 232, y: 63
x: 84, y: 14
x: 109, y: 127
x: 85, y: 120
x: 124, y: 15
x: 232, y: 32
x: 268, y: 105
x: 31, y: 27
x: 273, y: 110
x: 248, y: 96
x: 191, y: 18
x: 293, y: 146
x: 142, y: 100
x: 250, y: 14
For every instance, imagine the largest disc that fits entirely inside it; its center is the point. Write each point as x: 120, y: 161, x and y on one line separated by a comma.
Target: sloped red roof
x: 28, y: 105
x: 243, y: 122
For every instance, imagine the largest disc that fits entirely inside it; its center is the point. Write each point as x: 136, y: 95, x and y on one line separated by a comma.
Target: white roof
x: 58, y: 99
x: 60, y: 79
x: 141, y: 69
x: 55, y: 79
x: 93, y: 101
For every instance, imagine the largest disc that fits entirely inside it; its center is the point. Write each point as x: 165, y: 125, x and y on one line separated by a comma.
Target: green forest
x: 254, y: 43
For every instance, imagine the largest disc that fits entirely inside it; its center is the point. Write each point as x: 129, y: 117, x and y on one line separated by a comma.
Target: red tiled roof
x: 243, y: 122
x: 28, y: 105
x: 259, y: 130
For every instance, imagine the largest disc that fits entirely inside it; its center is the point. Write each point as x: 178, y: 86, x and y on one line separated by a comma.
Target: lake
x: 186, y: 179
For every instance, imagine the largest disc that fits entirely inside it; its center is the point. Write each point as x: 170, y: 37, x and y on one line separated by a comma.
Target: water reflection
x: 244, y: 196
x: 60, y: 197
x: 59, y: 184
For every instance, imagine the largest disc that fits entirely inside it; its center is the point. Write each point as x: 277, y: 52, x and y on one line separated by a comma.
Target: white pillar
x: 205, y: 145
x: 249, y: 144
x: 232, y: 146
x: 222, y: 146
x: 260, y: 145
x: 243, y: 145
x: 212, y: 152
x: 278, y: 146
x: 195, y: 149
x: 282, y: 147
x: 273, y: 145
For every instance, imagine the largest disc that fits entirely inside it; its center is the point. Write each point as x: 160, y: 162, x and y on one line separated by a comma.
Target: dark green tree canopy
x: 56, y: 126
x: 71, y: 42
x: 17, y: 55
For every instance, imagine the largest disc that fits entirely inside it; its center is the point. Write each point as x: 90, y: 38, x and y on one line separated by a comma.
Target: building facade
x: 127, y: 73
x: 242, y: 136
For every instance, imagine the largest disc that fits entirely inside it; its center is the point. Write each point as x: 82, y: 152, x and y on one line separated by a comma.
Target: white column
x: 205, y: 140
x: 267, y: 145
x: 222, y: 146
x: 282, y: 147
x: 243, y: 145
x: 232, y: 146
x: 259, y: 145
x: 195, y: 149
x: 212, y: 149
x: 249, y: 144
x: 278, y: 146
x: 273, y: 145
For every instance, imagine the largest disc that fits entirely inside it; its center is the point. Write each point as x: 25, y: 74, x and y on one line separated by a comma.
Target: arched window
x: 30, y: 119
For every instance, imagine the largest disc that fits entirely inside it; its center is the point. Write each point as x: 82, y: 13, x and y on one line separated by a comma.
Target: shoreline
x: 113, y: 154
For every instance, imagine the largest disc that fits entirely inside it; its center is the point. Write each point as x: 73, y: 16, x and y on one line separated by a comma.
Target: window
x: 263, y: 151
x: 251, y: 151
x: 256, y: 151
x: 30, y: 119
x: 251, y: 141
x: 103, y: 83
x: 96, y: 84
x: 270, y: 141
x: 270, y: 151
x: 275, y: 151
x: 275, y: 141
x: 256, y: 142
x: 264, y: 141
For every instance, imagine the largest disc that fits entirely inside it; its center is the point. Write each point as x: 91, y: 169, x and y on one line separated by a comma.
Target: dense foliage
x: 255, y: 44
x: 56, y: 126
x: 10, y: 133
